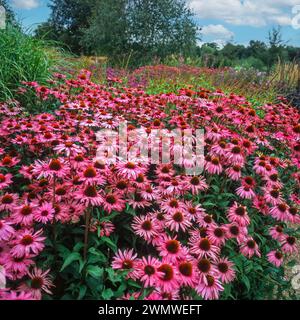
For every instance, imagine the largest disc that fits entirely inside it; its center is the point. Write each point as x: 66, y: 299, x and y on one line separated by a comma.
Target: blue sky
x: 222, y: 20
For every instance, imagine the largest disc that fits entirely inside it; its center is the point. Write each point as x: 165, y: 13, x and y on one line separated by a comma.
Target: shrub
x: 23, y: 58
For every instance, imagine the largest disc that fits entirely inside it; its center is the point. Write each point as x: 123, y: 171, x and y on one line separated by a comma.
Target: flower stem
x: 86, y: 232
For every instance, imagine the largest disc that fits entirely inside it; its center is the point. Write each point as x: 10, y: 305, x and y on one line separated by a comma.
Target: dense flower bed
x: 75, y: 227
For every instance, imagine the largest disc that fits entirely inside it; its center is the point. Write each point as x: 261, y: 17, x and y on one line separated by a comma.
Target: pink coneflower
x: 55, y: 167
x: 272, y: 181
x: 277, y: 233
x: 18, y: 265
x: 165, y: 170
x: 148, y: 273
x: 234, y: 155
x: 39, y: 282
x: 273, y: 196
x: 173, y: 187
x: 168, y: 280
x: 89, y: 195
x: 217, y: 235
x: 137, y: 201
x: 280, y: 212
x: 45, y: 213
x: 209, y: 289
x: 126, y: 260
x: 204, y: 248
x: 245, y: 192
x: 187, y: 272
x: 205, y: 267
x: 149, y: 193
x: 225, y: 270
x: 6, y: 230
x: 69, y: 148
x: 179, y: 220
x: 18, y: 296
x: 8, y: 162
x: 289, y: 245
x: 172, y: 205
x: 234, y: 172
x: 129, y: 170
x: 196, y: 184
x: 260, y: 204
x: 113, y: 202
x: 170, y: 249
x: 195, y: 212
x: 250, y: 248
x: 145, y: 227
x: 293, y: 215
x: 28, y: 242
x: 212, y: 165
x: 238, y: 214
x: 5, y: 180
x: 8, y: 202
x: 24, y: 214
x: 90, y: 175
x: 276, y: 258
x: 206, y: 220
x: 233, y: 230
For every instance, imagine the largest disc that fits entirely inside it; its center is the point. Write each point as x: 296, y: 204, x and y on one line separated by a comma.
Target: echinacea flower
x: 168, y: 279
x: 209, y: 289
x: 187, y: 272
x: 204, y: 248
x: 179, y: 220
x: 6, y: 230
x: 289, y: 245
x: 275, y: 257
x: 27, y: 242
x: 53, y: 168
x: 126, y: 260
x: 113, y: 202
x: 89, y: 195
x: 170, y: 249
x: 238, y: 213
x: 250, y: 248
x: 45, y: 213
x: 145, y: 227
x: 8, y: 202
x: 225, y: 270
x: 40, y: 282
x: 5, y: 180
x: 148, y: 271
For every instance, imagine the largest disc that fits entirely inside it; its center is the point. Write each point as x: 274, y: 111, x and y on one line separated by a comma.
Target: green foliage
x: 22, y: 59
x: 135, y: 31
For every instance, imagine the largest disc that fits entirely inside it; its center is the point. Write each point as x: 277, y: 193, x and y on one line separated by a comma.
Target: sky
x: 238, y: 21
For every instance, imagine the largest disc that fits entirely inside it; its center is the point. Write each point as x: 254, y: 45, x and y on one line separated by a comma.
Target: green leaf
x: 82, y: 292
x: 107, y: 294
x: 111, y: 244
x: 246, y: 281
x: 94, y: 271
x: 74, y: 256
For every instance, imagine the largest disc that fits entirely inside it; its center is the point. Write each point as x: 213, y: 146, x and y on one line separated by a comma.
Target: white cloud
x: 26, y: 4
x: 217, y: 31
x: 248, y: 12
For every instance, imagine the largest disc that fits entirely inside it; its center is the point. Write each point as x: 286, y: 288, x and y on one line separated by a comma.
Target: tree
x: 68, y: 20
x: 161, y: 27
x: 107, y: 33
x: 276, y: 44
